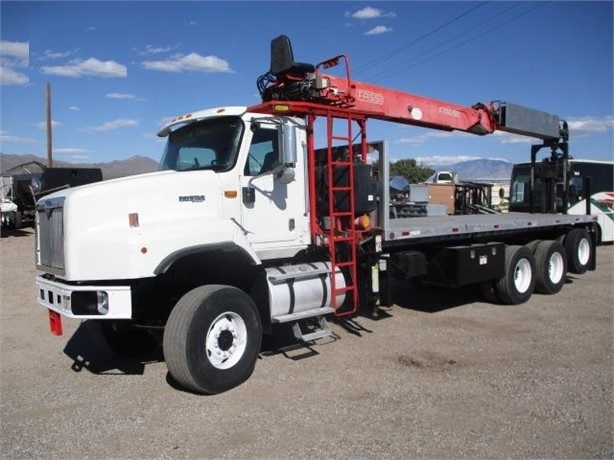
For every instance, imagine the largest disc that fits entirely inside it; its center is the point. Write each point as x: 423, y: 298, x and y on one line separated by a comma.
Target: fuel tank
x: 295, y: 289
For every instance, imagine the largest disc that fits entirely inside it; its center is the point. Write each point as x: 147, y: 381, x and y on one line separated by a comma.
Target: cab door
x: 273, y: 213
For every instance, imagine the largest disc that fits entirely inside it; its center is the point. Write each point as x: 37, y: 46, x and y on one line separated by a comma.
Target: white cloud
x: 75, y: 108
x: 151, y: 49
x: 19, y: 50
x: 445, y: 160
x: 371, y: 13
x: 377, y: 30
x: 50, y: 54
x: 10, y: 76
x: 113, y: 125
x: 422, y: 138
x: 509, y: 138
x: 8, y: 138
x: 189, y: 62
x: 590, y: 125
x: 14, y: 56
x: 367, y: 13
x: 124, y: 96
x: 414, y: 140
x: 90, y: 67
x: 43, y: 124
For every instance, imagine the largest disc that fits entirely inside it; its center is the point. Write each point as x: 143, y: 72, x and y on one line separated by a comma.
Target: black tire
x: 579, y: 247
x: 599, y: 235
x: 121, y: 337
x: 488, y: 289
x: 550, y: 267
x: 212, y: 339
x: 518, y: 283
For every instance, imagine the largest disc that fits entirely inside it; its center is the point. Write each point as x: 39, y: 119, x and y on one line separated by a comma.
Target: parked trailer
x: 248, y: 226
x: 601, y: 205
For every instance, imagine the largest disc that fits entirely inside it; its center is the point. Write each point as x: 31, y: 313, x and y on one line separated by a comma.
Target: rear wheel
x: 579, y: 248
x: 518, y: 283
x: 212, y: 339
x: 488, y: 289
x: 550, y: 266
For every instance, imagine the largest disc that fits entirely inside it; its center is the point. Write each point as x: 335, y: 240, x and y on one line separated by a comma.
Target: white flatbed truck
x: 247, y: 226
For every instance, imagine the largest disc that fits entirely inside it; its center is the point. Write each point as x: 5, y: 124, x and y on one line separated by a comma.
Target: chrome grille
x: 50, y: 227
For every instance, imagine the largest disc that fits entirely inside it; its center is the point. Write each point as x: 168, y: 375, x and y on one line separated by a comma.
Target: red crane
x: 293, y: 88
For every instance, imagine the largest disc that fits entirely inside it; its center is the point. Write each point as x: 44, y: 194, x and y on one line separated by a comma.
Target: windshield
x: 209, y: 144
x: 519, y: 189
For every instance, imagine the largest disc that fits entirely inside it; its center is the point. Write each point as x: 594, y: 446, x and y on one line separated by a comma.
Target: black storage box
x: 462, y: 265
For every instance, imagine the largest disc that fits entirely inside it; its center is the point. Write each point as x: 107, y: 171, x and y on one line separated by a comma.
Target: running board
x: 322, y: 332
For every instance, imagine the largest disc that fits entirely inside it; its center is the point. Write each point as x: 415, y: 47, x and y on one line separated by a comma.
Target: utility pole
x: 49, y: 151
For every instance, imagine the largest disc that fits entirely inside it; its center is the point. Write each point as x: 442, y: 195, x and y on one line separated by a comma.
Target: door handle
x: 249, y: 195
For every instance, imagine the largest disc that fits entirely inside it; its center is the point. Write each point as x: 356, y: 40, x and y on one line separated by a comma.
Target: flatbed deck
x: 474, y: 225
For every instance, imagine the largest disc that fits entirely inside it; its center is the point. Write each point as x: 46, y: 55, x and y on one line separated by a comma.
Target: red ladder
x: 341, y: 235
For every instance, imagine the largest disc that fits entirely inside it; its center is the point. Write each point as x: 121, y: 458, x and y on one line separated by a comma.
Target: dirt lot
x: 442, y: 374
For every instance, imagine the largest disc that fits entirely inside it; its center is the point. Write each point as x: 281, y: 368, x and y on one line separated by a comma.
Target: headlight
x: 102, y: 302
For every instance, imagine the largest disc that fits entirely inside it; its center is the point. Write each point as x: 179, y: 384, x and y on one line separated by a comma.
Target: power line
x: 461, y: 34
x: 447, y: 50
x: 390, y: 54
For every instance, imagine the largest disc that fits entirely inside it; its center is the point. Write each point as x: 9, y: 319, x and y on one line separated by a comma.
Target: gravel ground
x: 441, y: 374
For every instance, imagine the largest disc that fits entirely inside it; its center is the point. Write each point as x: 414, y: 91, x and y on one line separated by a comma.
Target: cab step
x: 321, y: 331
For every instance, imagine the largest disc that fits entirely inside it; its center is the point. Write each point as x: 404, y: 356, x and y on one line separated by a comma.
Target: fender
x: 246, y: 252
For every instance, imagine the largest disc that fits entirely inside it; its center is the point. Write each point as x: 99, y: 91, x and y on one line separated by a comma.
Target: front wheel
x: 212, y: 339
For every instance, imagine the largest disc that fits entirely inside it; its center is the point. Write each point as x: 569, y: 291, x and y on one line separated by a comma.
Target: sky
x: 119, y: 70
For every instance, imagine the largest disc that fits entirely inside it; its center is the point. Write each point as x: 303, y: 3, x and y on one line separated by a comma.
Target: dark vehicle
x: 550, y: 184
x: 34, y: 180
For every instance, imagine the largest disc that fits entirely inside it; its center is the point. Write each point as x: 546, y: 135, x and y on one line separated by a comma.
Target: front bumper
x: 85, y: 302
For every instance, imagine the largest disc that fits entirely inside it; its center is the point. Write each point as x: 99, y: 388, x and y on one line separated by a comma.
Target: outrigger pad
x: 282, y: 58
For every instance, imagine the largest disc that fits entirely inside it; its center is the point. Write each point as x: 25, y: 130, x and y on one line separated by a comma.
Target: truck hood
x: 132, y: 223
x: 145, y: 193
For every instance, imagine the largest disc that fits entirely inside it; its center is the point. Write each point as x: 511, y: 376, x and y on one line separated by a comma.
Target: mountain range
x: 110, y: 170
x: 482, y: 169
x: 466, y: 170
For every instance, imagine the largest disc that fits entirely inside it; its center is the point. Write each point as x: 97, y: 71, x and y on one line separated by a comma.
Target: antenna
x: 48, y: 98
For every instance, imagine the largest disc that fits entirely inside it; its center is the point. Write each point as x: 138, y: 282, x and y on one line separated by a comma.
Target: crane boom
x: 406, y: 108
x: 298, y: 82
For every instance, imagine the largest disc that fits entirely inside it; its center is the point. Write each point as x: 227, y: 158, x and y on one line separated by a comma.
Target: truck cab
x: 259, y: 175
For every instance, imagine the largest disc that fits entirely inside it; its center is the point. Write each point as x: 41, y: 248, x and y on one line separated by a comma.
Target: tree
x: 411, y: 170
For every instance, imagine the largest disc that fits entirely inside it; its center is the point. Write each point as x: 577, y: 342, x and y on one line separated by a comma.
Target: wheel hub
x: 555, y: 267
x: 522, y: 275
x: 226, y: 340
